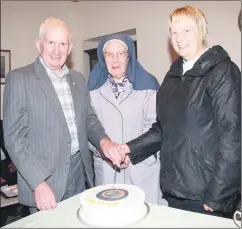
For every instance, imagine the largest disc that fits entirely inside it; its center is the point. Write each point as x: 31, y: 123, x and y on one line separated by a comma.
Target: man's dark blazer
x: 36, y: 133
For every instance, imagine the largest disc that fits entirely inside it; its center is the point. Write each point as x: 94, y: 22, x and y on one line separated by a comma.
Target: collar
x: 65, y: 70
x: 120, y: 82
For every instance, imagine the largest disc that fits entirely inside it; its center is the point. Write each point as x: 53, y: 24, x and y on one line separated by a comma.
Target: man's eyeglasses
x: 120, y: 55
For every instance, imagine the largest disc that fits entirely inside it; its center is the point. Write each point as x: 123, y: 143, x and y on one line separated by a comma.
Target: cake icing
x: 112, y: 205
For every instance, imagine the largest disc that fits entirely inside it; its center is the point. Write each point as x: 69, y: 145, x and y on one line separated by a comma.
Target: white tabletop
x: 160, y: 216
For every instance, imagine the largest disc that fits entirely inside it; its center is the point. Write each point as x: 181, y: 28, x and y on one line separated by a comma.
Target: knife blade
x: 115, y: 175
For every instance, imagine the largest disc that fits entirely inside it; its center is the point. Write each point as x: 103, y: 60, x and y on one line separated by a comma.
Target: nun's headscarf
x: 137, y: 75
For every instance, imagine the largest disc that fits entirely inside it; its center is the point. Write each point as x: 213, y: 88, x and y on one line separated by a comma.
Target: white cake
x: 112, y: 205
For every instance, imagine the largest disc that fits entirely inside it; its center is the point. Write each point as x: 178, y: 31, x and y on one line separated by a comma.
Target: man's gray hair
x: 52, y: 22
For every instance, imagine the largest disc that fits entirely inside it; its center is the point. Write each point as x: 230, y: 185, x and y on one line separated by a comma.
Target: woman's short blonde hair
x: 196, y: 15
x: 52, y: 22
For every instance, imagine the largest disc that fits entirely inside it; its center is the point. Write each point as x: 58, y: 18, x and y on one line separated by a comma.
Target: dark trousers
x: 190, y: 205
x: 76, y: 177
x: 75, y: 181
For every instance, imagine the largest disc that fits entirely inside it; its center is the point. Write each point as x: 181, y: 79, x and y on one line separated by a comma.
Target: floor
x: 12, y: 213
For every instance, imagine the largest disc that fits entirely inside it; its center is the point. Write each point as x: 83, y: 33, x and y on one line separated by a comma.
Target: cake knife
x: 115, y: 175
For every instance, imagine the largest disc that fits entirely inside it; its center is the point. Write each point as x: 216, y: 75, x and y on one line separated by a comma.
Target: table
x: 160, y: 216
x: 8, y: 201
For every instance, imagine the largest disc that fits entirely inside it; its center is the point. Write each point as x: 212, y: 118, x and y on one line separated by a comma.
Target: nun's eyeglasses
x: 121, y: 55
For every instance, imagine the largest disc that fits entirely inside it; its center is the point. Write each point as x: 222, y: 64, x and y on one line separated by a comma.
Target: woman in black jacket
x: 198, y: 128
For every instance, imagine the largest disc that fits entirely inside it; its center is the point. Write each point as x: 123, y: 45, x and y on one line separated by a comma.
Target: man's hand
x: 113, y: 151
x: 44, y: 197
x: 206, y: 208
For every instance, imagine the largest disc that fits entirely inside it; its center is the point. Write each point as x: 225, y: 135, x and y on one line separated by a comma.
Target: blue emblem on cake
x: 112, y: 194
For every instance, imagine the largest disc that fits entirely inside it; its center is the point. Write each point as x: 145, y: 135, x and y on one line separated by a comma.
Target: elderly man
x: 48, y: 120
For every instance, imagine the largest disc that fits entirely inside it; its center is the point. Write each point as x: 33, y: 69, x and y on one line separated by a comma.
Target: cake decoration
x: 112, y: 194
x: 112, y: 205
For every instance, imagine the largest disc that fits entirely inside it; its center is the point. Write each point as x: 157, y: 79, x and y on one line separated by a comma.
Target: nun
x: 123, y: 95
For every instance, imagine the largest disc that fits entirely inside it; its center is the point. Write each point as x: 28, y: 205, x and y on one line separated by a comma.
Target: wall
x: 149, y: 18
x: 20, y: 21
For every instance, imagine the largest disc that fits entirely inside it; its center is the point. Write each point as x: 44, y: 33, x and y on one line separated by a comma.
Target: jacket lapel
x: 49, y: 90
x: 107, y: 93
x: 77, y: 103
x: 127, y: 90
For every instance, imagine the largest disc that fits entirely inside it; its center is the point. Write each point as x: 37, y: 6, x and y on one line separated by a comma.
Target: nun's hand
x: 125, y: 163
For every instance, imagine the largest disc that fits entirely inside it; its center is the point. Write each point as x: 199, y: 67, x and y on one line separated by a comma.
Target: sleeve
x: 225, y: 93
x: 145, y: 145
x: 149, y: 110
x: 16, y: 129
x: 95, y: 130
x: 91, y: 147
x: 150, y: 141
